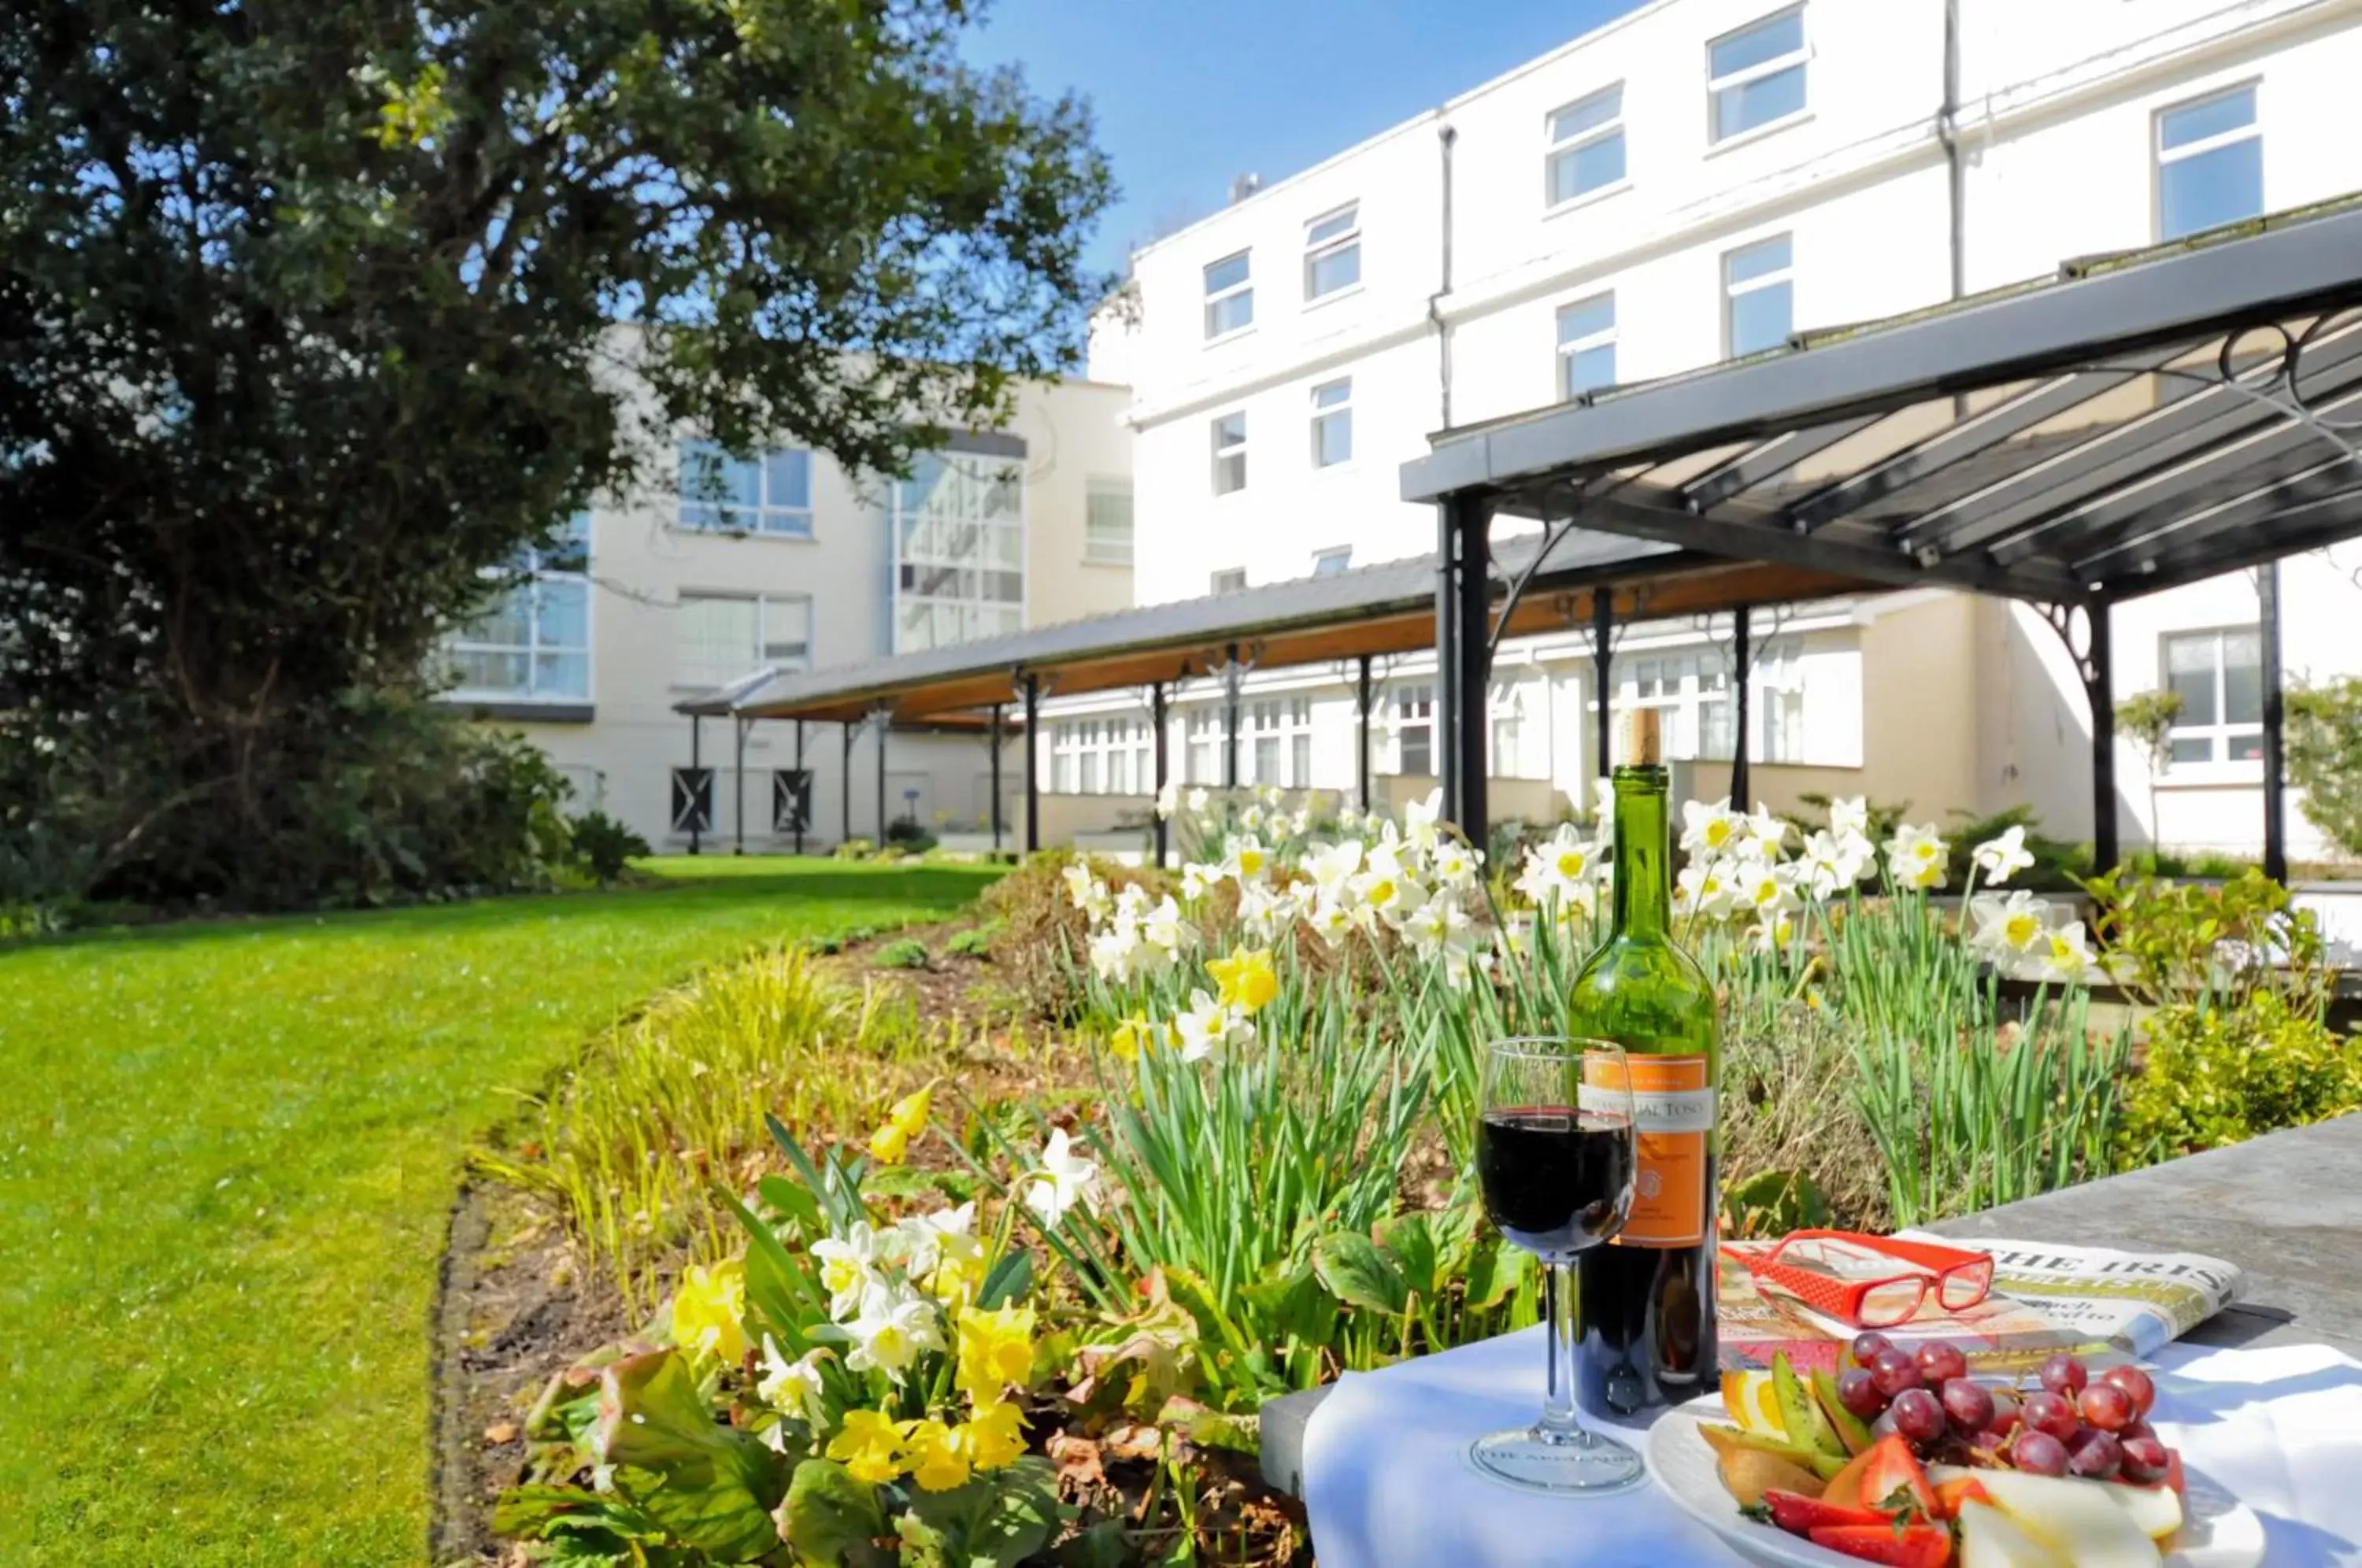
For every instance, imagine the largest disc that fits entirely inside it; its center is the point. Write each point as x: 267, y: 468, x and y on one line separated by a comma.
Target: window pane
x: 1334, y: 269
x: 1591, y: 368
x: 2193, y: 748
x: 1586, y: 318
x: 1229, y: 314
x: 1329, y: 563
x: 715, y: 640
x: 2190, y: 675
x: 788, y: 479
x: 2223, y: 185
x: 1758, y: 45
x: 562, y: 613
x: 1758, y: 102
x: 2242, y: 678
x: 2197, y: 122
x: 1333, y: 439
x: 1231, y: 430
x: 1333, y: 225
x: 1587, y: 114
x: 1760, y: 319
x: 1589, y: 167
x: 508, y: 620
x: 1266, y: 760
x: 486, y: 671
x: 1301, y: 761
x: 1229, y: 273
x: 561, y: 675
x: 1332, y: 395
x: 1417, y: 757
x: 1761, y: 260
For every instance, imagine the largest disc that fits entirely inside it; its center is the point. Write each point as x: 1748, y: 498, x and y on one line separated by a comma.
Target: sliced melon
x: 2155, y: 1511
x: 1991, y: 1538
x: 2077, y: 1519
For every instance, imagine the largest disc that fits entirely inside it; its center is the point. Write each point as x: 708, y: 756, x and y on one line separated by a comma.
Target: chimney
x: 1242, y: 187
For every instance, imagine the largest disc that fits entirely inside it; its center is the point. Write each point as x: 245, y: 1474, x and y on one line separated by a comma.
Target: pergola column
x: 2098, y: 690
x: 995, y: 742
x: 884, y: 721
x: 739, y: 786
x: 1363, y: 697
x: 696, y: 747
x: 1738, y: 660
x: 804, y: 780
x: 1463, y: 614
x: 1603, y: 660
x: 1232, y: 679
x: 2268, y: 595
x: 1032, y: 762
x: 844, y: 782
x: 1156, y: 730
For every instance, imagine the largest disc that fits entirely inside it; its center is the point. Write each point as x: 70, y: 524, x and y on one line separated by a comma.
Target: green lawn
x: 227, y: 1153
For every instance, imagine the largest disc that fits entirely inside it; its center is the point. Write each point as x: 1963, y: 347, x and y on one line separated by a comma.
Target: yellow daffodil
x: 1133, y: 1036
x: 910, y: 1112
x: 996, y: 1350
x: 1246, y: 978
x: 890, y: 1145
x: 871, y: 1447
x: 709, y: 1311
x: 994, y: 1435
x: 956, y: 1280
x: 938, y: 1460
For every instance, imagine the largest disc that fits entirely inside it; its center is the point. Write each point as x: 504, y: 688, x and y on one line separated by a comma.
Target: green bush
x: 2057, y: 863
x: 855, y: 849
x: 974, y: 942
x: 2324, y: 758
x: 906, y: 953
x: 2221, y: 1074
x: 607, y: 846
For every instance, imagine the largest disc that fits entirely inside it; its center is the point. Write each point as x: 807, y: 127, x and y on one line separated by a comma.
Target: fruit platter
x: 1903, y: 1458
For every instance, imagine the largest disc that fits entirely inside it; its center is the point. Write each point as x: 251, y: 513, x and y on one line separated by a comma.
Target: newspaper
x: 2045, y: 1297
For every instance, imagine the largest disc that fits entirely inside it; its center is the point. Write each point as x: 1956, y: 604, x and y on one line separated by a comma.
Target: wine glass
x: 1556, y: 1158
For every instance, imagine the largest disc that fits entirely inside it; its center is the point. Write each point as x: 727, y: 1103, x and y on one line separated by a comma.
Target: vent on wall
x: 1245, y: 185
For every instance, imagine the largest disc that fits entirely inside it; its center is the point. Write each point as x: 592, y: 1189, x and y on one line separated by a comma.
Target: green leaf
x: 712, y: 1486
x: 1359, y: 1272
x: 832, y: 1520
x: 1102, y: 1546
x: 1010, y: 1278
x: 793, y: 1202
x: 780, y: 1290
x: 1495, y: 1270
x: 1412, y: 1243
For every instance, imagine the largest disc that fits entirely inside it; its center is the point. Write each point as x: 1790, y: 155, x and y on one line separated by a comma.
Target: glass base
x: 1574, y: 1463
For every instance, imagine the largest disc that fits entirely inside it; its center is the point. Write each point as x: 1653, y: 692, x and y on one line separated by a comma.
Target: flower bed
x: 1252, y: 1179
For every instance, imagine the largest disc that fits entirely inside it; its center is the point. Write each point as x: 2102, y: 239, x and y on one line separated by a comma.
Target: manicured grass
x: 227, y: 1153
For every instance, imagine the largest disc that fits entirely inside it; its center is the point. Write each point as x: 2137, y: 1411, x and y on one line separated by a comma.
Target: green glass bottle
x: 1647, y: 1298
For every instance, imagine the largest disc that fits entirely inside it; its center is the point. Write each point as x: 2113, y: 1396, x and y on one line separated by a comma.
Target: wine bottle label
x: 1673, y: 1112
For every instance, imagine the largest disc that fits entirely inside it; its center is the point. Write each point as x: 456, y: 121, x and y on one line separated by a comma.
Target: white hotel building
x: 1696, y: 180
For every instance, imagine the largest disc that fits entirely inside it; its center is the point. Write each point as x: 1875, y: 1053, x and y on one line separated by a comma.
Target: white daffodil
x: 1603, y: 804
x: 1162, y: 927
x: 2002, y: 858
x: 1250, y: 816
x: 1418, y: 820
x: 2064, y: 953
x: 1439, y: 927
x: 1759, y: 888
x: 1823, y: 867
x: 1088, y: 893
x: 894, y: 1323
x: 1703, y: 888
x: 1711, y: 829
x: 1386, y: 892
x: 849, y: 1265
x: 1272, y: 795
x: 1301, y: 822
x: 1247, y: 860
x: 1115, y: 951
x: 945, y: 1236
x: 1197, y: 803
x: 1765, y: 828
x: 1263, y: 913
x: 1917, y: 858
x: 1205, y: 1026
x: 1168, y: 799
x: 1197, y: 879
x: 1063, y: 1179
x: 1455, y: 863
x: 1850, y: 816
x: 1330, y: 921
x: 1772, y: 932
x: 1332, y: 867
x: 2011, y: 927
x: 790, y: 1387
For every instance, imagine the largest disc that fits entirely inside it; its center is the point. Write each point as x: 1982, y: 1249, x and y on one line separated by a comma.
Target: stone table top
x: 2286, y: 1208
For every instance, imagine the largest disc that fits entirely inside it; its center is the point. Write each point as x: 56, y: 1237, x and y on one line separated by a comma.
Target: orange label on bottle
x: 1672, y: 1112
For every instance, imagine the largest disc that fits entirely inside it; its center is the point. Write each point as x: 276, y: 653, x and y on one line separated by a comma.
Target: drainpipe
x: 1947, y: 131
x: 1446, y: 138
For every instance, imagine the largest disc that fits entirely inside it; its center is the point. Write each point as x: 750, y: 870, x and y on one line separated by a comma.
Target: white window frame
x: 941, y: 541
x: 1411, y: 705
x: 1283, y: 723
x: 1227, y: 580
x: 1216, y: 297
x: 2219, y: 736
x: 1334, y: 562
x: 1563, y: 148
x: 1088, y: 756
x: 537, y: 574
x: 1201, y: 745
x: 1324, y: 414
x: 1319, y: 247
x: 2161, y: 157
x: 769, y: 517
x: 1776, y: 702
x: 1226, y: 451
x: 759, y: 657
x: 1688, y: 680
x: 1732, y: 290
x: 1570, y: 349
x: 1798, y: 59
x: 1100, y: 547
x: 1508, y: 734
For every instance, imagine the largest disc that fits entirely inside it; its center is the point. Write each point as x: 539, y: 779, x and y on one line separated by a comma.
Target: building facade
x: 786, y: 561
x: 1695, y: 181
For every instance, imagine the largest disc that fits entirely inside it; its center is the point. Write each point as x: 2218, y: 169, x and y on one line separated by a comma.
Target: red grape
x: 1866, y: 1346
x: 1884, y: 1424
x: 2107, y: 1407
x: 2134, y: 1382
x: 1970, y: 1405
x: 1893, y: 1371
x: 2062, y: 1374
x: 2136, y: 1429
x: 2047, y: 1412
x: 1940, y: 1364
x: 1992, y: 1440
x: 2038, y: 1453
x: 2006, y: 1413
x: 1917, y: 1416
x: 2095, y: 1455
x: 2146, y: 1459
x: 1857, y: 1394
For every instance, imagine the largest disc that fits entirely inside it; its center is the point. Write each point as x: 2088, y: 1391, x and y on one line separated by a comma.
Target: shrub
x: 2057, y: 863
x: 2213, y: 946
x: 2221, y: 1074
x: 855, y: 849
x: 607, y: 846
x: 907, y: 831
x: 1044, y: 936
x: 2324, y: 758
x: 974, y: 942
x: 905, y: 952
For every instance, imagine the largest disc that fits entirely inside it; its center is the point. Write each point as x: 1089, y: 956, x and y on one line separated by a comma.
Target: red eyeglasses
x: 1958, y: 1279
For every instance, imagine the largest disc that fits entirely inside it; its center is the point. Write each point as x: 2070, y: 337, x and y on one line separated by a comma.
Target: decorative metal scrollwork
x: 2281, y: 391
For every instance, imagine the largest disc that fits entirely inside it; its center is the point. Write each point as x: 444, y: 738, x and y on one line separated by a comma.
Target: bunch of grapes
x: 2072, y: 1425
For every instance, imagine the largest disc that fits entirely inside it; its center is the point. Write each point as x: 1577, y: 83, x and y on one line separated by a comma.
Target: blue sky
x: 1190, y: 94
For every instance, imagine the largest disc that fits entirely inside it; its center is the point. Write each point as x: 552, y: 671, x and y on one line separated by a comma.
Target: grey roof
x: 2138, y: 421
x: 1186, y: 625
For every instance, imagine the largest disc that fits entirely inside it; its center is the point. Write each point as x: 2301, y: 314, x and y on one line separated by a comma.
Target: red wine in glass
x: 1556, y: 1178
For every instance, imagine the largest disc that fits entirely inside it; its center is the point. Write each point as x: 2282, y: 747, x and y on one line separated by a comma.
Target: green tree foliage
x: 309, y: 321
x: 2324, y: 758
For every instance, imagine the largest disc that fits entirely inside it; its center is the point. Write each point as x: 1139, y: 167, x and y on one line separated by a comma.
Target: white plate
x: 2220, y: 1531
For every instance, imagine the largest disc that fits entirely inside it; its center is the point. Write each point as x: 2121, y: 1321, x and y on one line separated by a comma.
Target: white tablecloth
x: 1388, y: 1484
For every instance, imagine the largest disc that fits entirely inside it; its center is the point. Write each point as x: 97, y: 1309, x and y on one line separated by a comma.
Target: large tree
x: 312, y: 312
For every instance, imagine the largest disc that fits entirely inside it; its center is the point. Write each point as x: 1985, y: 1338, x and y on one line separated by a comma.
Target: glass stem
x: 1560, y: 1418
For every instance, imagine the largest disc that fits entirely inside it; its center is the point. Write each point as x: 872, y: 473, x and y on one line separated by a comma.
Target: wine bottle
x: 1647, y: 1299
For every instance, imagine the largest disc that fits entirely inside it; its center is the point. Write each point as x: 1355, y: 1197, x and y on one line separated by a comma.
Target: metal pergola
x: 2139, y: 421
